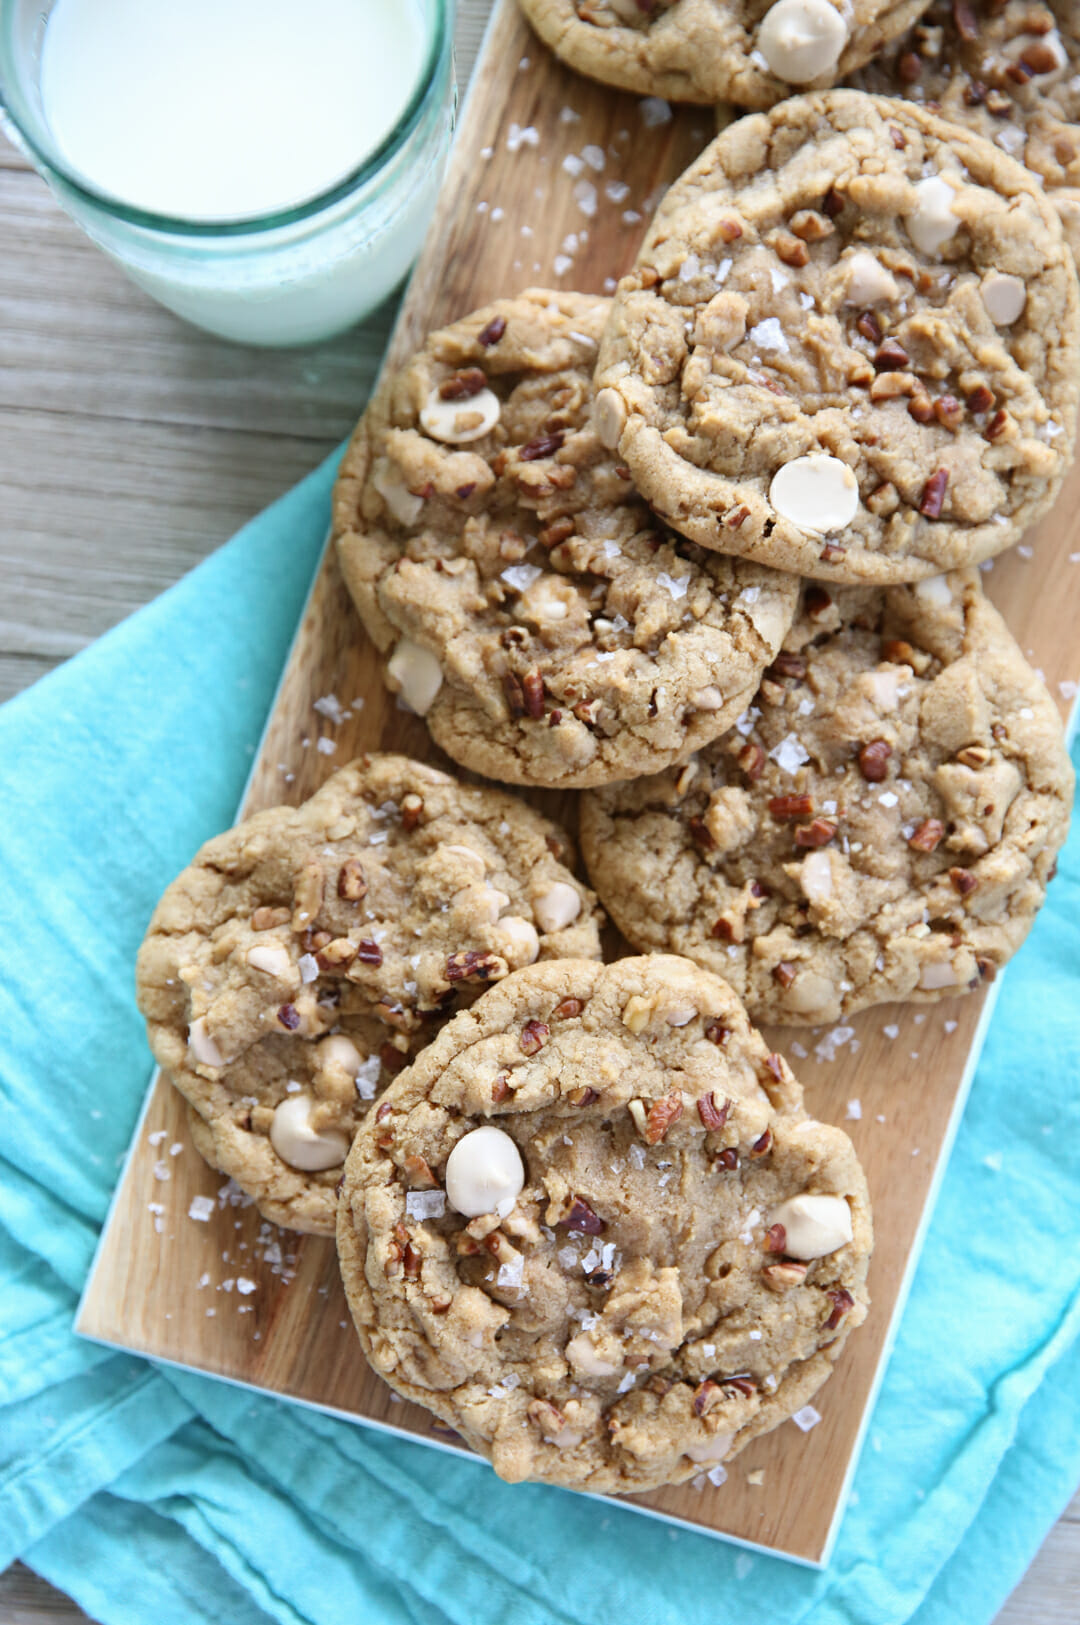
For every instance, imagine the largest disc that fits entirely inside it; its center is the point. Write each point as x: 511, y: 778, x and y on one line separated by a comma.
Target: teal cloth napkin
x: 152, y: 1494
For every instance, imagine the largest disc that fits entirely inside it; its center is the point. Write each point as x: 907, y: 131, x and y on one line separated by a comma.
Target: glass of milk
x: 265, y: 168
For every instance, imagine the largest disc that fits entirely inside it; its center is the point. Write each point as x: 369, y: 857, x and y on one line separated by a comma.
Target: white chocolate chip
x: 814, y: 1225
x: 932, y: 222
x: 817, y: 493
x: 549, y: 598
x: 341, y: 1053
x: 202, y: 1046
x: 707, y: 699
x: 557, y: 906
x: 484, y: 1173
x: 714, y: 1449
x: 868, y: 282
x: 675, y: 1010
x: 1004, y: 298
x: 938, y: 975
x: 582, y: 1355
x: 415, y: 674
x: 271, y: 958
x: 455, y: 423
x: 802, y: 39
x: 516, y: 939
x: 566, y: 1438
x: 934, y: 590
x: 301, y: 1146
x: 403, y: 505
x: 816, y: 876
x: 609, y: 417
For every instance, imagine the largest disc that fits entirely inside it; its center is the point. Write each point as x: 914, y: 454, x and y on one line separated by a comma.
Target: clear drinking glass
x: 292, y: 277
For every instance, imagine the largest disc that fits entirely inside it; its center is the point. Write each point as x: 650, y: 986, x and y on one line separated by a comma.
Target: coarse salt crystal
x: 854, y: 1110
x: 308, y: 967
x: 807, y: 1418
x: 616, y: 191
x: 769, y: 335
x: 892, y: 1030
x: 561, y: 264
x: 243, y: 1285
x: 157, y: 1137
x: 326, y: 747
x: 676, y: 585
x: 161, y: 1171
x: 717, y: 1475
x: 789, y: 755
x: 510, y: 1275
x: 330, y: 707
x: 654, y: 111
x: 572, y: 164
x: 625, y: 1383
x: 951, y: 1026
x: 594, y: 157
x: 201, y: 1208
x: 425, y: 1204
x: 521, y: 576
x: 585, y: 198
x: 367, y: 1077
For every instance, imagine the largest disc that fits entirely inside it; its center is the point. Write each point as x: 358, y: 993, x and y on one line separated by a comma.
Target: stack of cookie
x: 705, y: 552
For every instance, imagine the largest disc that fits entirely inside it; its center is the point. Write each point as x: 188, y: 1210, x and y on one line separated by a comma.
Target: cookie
x: 740, y: 51
x: 548, y: 628
x: 881, y: 824
x: 1010, y: 72
x: 850, y: 345
x: 303, y: 956
x: 593, y: 1229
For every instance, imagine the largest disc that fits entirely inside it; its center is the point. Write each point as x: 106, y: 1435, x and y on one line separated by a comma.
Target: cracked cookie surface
x: 850, y: 345
x: 634, y: 1310
x: 292, y: 968
x: 718, y: 50
x: 1009, y: 72
x: 882, y: 824
x: 535, y: 612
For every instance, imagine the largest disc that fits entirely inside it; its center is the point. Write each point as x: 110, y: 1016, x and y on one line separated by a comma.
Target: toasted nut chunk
x: 351, y: 884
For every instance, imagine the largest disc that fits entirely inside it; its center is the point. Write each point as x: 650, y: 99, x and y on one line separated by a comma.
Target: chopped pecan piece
x: 775, y: 1238
x: 787, y: 665
x: 548, y: 1417
x: 700, y: 834
x: 351, y: 884
x: 833, y: 203
x: 819, y: 832
x: 737, y: 516
x: 948, y: 411
x: 418, y: 1172
x: 784, y: 973
x: 560, y: 530
x: 751, y: 759
x: 787, y: 807
x: 661, y: 1115
x: 781, y: 1277
x: 461, y: 386
x: 981, y: 399
x: 369, y: 953
x: 532, y: 688
x: 337, y: 953
x: 515, y: 694
x: 412, y: 806
x: 774, y: 1066
x: 728, y: 1158
x: 762, y: 1145
x: 831, y: 554
x: 566, y: 1008
x: 870, y: 327
x: 974, y: 756
x: 289, y: 1017
x: 816, y: 601
x: 500, y: 1089
x: 933, y: 494
x: 307, y: 896
x: 583, y: 1096
x: 963, y: 881
x: 534, y: 1035
x: 717, y: 1033
x: 928, y: 836
x: 579, y: 1215
x: 874, y: 760
x: 492, y: 333
x: 544, y: 446
x: 842, y: 1303
x: 265, y: 919
x: 965, y: 20
x: 742, y: 1385
x: 712, y: 1116
x: 891, y: 357
x: 810, y: 226
x: 791, y: 250
x: 471, y: 964
x: 707, y: 1395
x: 729, y: 231
x: 412, y: 1261
x: 998, y: 425
x: 392, y: 1058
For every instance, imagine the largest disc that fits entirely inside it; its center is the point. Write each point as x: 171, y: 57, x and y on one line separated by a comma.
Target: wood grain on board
x: 513, y: 216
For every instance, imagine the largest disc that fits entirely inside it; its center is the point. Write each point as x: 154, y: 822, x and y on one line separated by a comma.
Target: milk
x: 225, y: 109
x: 212, y: 111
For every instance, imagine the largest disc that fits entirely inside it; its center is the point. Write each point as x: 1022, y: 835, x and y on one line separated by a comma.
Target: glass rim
x: 237, y: 226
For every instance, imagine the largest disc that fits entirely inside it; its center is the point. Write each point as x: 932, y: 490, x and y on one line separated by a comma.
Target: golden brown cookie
x: 1009, y: 71
x: 303, y: 956
x: 593, y: 1229
x: 881, y: 824
x: 850, y: 347
x: 535, y: 612
x: 749, y: 52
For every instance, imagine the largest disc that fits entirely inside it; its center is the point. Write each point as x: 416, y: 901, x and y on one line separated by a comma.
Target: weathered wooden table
x: 131, y: 446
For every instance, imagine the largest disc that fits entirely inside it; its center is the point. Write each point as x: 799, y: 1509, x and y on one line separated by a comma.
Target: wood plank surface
x: 59, y: 371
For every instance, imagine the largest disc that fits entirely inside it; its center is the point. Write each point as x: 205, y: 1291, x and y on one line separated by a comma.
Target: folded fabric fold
x: 156, y: 1494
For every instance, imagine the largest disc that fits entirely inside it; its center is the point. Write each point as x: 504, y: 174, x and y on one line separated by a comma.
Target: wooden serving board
x: 230, y: 1296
